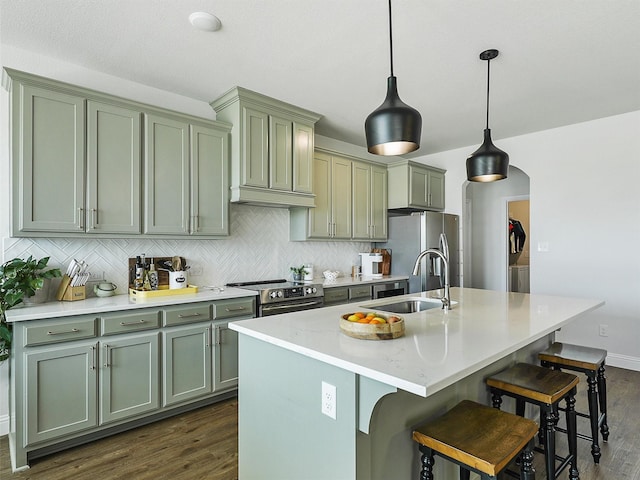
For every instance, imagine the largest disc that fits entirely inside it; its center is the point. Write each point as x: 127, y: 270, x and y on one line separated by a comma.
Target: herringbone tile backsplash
x: 258, y: 248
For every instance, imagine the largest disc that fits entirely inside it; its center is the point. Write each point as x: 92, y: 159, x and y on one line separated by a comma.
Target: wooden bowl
x: 367, y: 331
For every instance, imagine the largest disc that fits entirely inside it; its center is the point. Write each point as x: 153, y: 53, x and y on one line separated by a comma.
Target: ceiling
x: 560, y: 62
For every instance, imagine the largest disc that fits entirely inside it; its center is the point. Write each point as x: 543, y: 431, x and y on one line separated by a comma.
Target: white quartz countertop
x: 348, y: 281
x: 438, y: 348
x: 95, y: 305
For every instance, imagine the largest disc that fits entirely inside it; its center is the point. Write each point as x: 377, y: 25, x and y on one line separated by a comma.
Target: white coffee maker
x: 371, y: 265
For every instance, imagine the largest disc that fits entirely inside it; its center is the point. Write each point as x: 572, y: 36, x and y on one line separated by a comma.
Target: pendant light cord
x: 488, y: 77
x: 390, y: 41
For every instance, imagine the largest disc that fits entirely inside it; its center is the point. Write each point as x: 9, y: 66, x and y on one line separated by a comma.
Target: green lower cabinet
x: 61, y: 389
x: 226, y: 355
x: 186, y: 371
x: 129, y: 379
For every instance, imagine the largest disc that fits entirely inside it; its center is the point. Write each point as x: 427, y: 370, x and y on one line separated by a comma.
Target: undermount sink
x: 411, y: 305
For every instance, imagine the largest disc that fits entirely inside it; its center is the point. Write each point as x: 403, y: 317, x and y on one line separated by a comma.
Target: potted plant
x: 19, y: 279
x: 298, y: 272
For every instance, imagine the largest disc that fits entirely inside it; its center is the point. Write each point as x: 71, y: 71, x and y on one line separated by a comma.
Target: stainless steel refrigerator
x: 411, y: 234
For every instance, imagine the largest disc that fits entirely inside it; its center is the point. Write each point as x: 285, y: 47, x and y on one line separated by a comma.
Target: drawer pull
x: 126, y: 324
x: 73, y: 330
x: 190, y: 315
x: 236, y: 309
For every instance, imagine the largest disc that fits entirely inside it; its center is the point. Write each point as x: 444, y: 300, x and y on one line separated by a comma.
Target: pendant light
x: 488, y: 163
x: 394, y: 127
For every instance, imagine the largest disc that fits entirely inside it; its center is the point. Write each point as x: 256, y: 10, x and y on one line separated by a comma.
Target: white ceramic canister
x: 308, y: 268
x: 177, y: 280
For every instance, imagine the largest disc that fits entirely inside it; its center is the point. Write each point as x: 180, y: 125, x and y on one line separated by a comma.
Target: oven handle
x: 291, y: 305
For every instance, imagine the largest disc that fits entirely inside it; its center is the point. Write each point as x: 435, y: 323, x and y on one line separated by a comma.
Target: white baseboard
x: 4, y: 425
x: 623, y: 361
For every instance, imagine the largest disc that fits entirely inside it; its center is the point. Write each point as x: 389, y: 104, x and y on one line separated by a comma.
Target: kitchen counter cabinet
x: 383, y: 388
x: 79, y: 370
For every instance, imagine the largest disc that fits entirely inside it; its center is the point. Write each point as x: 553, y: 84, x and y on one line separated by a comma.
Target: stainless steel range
x: 280, y: 296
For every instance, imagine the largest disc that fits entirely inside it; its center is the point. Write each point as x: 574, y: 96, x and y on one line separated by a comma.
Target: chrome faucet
x: 444, y: 256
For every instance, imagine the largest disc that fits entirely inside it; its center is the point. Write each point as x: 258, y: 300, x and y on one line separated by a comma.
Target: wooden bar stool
x: 546, y: 388
x: 591, y: 362
x: 480, y: 439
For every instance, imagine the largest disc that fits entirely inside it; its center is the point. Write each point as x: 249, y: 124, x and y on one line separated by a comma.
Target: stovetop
x: 279, y: 290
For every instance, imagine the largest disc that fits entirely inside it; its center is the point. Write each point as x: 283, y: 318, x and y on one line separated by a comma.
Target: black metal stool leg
x: 427, y: 461
x: 592, y: 396
x: 602, y: 393
x: 527, y: 471
x: 547, y: 421
x: 572, y: 436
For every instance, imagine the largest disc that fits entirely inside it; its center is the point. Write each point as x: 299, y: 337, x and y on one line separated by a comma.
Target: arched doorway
x: 485, y: 243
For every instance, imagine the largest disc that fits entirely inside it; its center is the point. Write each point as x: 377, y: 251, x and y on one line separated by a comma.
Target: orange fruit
x: 375, y: 322
x: 363, y: 320
x: 359, y: 314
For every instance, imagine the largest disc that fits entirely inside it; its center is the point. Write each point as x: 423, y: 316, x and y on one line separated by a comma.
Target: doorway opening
x: 518, y: 240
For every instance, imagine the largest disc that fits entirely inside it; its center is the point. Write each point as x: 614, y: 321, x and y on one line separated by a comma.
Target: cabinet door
x: 48, y: 161
x: 226, y: 363
x: 320, y: 221
x: 341, y: 197
x: 113, y: 169
x: 61, y: 388
x: 378, y: 203
x: 209, y: 182
x: 361, y: 196
x: 436, y: 190
x: 255, y: 145
x: 302, y: 158
x: 280, y: 153
x: 129, y: 378
x: 166, y: 176
x: 419, y: 187
x: 187, y: 365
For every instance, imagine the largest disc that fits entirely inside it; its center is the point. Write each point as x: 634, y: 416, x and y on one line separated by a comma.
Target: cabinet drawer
x: 236, y: 307
x: 360, y: 292
x: 60, y: 330
x: 336, y: 295
x: 130, y: 322
x: 200, y: 312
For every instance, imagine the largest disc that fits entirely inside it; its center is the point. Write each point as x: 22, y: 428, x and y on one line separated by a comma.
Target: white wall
x: 585, y: 204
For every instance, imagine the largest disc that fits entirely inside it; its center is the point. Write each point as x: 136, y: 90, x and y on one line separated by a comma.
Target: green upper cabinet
x: 209, y: 181
x: 113, y: 169
x: 48, y: 160
x: 332, y: 216
x: 77, y: 165
x: 271, y: 149
x: 186, y: 178
x: 415, y: 185
x: 166, y: 164
x: 369, y: 201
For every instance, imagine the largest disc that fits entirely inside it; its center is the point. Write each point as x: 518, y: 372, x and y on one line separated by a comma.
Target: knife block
x: 68, y: 293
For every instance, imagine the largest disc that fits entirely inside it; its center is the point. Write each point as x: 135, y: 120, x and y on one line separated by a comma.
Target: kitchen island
x: 382, y: 388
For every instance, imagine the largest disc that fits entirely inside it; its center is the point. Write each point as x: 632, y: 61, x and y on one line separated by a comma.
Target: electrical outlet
x: 604, y: 330
x: 94, y: 276
x: 196, y: 270
x: 328, y: 399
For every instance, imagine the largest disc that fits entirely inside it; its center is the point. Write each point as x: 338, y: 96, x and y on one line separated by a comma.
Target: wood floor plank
x: 203, y: 444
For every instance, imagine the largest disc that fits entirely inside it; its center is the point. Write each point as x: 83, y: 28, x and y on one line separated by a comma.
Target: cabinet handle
x: 73, y: 330
x: 234, y: 309
x: 207, y: 340
x: 196, y: 221
x: 217, y: 339
x: 92, y: 366
x: 106, y: 355
x: 81, y: 218
x: 93, y: 218
x: 189, y: 315
x: 125, y: 324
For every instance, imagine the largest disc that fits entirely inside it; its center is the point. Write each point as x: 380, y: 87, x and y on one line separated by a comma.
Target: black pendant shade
x: 394, y: 127
x: 488, y: 163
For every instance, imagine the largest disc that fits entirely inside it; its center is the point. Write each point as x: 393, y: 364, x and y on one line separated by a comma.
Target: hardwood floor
x: 203, y: 444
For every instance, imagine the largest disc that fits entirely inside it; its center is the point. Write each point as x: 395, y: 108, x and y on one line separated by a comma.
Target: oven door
x: 288, y: 307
